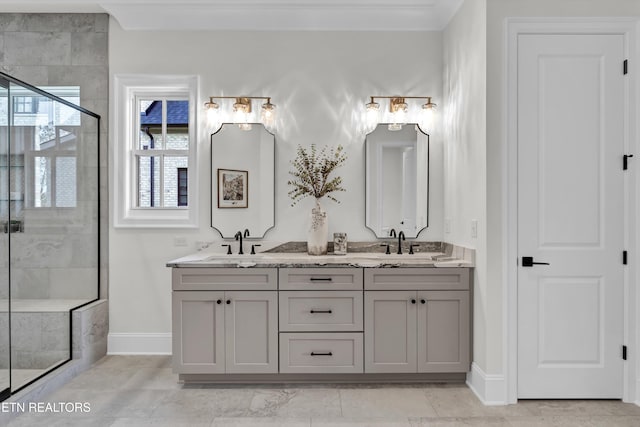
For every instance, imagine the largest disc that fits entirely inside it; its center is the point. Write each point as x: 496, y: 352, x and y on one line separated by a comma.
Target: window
x: 155, y: 151
x: 162, y: 146
x: 182, y: 187
x: 25, y: 104
x: 50, y: 134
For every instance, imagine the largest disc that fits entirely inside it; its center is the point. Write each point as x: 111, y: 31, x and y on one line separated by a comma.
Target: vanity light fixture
x: 242, y: 109
x: 399, y: 111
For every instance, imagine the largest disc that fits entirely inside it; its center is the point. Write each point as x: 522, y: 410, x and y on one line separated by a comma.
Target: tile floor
x: 142, y: 391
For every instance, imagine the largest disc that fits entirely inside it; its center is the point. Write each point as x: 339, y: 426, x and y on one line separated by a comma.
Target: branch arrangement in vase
x: 311, y: 173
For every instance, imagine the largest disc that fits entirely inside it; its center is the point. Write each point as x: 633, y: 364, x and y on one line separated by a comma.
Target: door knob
x: 527, y: 261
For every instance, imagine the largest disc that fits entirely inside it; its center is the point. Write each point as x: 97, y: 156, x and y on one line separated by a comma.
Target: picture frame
x: 233, y: 188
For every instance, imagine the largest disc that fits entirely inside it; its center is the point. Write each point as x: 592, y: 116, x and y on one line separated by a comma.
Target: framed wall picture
x: 233, y: 186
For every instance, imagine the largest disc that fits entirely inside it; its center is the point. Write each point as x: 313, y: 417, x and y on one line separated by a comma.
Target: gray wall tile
x: 92, y: 79
x: 36, y: 75
x: 31, y: 48
x: 89, y: 49
x: 101, y: 22
x: 79, y: 22
x: 12, y: 21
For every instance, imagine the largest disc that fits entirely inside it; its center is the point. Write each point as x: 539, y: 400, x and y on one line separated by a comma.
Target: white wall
x: 319, y: 82
x: 464, y: 135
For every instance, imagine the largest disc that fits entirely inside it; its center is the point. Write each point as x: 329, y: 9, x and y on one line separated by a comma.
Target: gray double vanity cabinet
x: 290, y: 320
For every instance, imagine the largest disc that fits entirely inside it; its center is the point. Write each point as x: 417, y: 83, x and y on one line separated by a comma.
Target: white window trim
x: 122, y: 129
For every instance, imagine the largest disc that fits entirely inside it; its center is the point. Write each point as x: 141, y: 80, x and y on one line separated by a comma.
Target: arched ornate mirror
x: 242, y: 180
x: 397, y: 180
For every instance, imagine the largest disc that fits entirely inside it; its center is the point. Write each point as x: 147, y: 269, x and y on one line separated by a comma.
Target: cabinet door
x: 198, y: 332
x: 443, y: 331
x: 251, y: 326
x: 390, y: 331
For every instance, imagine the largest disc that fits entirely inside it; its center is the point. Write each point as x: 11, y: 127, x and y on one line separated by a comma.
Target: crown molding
x: 258, y: 15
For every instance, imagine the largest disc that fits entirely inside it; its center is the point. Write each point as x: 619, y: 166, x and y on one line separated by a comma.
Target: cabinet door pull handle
x: 320, y: 311
x: 219, y: 301
x: 321, y: 279
x: 321, y: 353
x: 228, y: 301
x: 413, y: 301
x: 422, y: 301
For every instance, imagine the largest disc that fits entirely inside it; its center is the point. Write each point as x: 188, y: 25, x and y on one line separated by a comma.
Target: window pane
x: 183, y: 188
x: 148, y: 181
x: 172, y: 164
x: 178, y: 125
x: 150, y: 135
x: 66, y: 182
x: 42, y: 182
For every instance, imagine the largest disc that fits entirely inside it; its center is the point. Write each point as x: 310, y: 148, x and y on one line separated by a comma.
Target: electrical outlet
x: 180, y: 241
x: 474, y: 228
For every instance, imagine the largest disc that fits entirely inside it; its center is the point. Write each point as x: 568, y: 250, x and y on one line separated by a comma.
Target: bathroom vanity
x: 291, y: 317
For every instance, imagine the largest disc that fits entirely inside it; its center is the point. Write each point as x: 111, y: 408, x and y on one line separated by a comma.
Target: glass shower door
x: 5, y: 343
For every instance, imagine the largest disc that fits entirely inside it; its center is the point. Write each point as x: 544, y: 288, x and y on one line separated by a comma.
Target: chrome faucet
x: 400, y: 239
x: 238, y: 236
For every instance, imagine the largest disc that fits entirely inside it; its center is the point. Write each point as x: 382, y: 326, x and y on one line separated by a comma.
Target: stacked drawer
x: 321, y: 320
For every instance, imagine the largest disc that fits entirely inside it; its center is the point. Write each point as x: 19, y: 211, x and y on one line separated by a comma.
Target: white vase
x: 318, y: 231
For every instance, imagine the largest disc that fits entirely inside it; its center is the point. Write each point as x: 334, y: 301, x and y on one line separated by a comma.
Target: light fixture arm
x: 398, y: 109
x: 242, y: 106
x: 267, y: 98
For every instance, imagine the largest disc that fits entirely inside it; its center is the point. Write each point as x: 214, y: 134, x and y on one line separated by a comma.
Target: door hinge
x: 624, y: 257
x: 624, y: 352
x: 625, y: 67
x: 625, y: 161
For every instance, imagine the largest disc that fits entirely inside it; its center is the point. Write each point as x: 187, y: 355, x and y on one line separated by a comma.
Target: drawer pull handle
x: 423, y: 301
x: 320, y: 311
x: 413, y: 301
x: 228, y: 301
x: 219, y: 301
x: 321, y: 279
x: 321, y: 353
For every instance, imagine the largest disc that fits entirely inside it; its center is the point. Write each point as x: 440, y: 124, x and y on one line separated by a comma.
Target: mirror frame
x: 213, y: 202
x: 366, y: 173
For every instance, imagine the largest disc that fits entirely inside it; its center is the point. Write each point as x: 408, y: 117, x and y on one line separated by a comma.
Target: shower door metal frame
x: 6, y: 392
x: 6, y: 79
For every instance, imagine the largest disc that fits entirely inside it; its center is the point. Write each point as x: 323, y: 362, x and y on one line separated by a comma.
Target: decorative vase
x: 318, y: 231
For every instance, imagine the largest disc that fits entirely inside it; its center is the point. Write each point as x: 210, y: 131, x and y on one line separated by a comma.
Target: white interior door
x: 570, y: 214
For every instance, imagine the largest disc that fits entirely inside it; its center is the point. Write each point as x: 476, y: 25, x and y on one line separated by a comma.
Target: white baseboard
x: 490, y: 389
x: 138, y: 343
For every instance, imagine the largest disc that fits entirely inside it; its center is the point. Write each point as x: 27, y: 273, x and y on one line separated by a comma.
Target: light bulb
x: 213, y: 115
x: 427, y: 116
x: 239, y: 116
x: 268, y: 113
x: 400, y: 116
x: 373, y: 114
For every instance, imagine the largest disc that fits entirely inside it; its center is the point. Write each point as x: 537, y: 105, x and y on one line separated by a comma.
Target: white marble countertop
x: 355, y: 259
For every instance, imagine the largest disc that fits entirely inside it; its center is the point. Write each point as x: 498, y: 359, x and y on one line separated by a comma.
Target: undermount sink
x: 234, y: 258
x: 394, y: 257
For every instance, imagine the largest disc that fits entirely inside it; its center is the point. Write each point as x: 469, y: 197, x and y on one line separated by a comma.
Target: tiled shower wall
x: 62, y: 50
